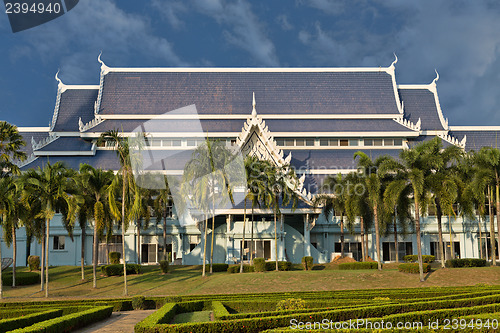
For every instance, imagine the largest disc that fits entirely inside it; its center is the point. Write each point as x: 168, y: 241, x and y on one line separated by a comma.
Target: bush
x: 291, y: 304
x: 236, y: 269
x: 219, y: 267
x: 164, y: 266
x: 117, y: 269
x: 358, y: 265
x: 138, y: 302
x: 282, y: 265
x: 414, y: 258
x: 455, y: 263
x: 413, y: 268
x: 259, y: 264
x: 34, y: 263
x: 22, y: 278
x: 307, y: 262
x: 27, y: 320
x: 114, y: 257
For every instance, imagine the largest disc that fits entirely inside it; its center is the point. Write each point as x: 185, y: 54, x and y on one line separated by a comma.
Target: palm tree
x: 11, y: 143
x: 125, y: 178
x: 7, y: 206
x: 54, y: 187
x: 142, y: 211
x: 93, y: 185
x: 162, y: 204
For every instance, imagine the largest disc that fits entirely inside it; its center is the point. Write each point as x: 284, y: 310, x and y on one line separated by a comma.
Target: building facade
x: 314, y: 119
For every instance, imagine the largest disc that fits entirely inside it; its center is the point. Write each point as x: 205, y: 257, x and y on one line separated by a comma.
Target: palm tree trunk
x: 396, y: 244
x: 498, y: 216
x: 480, y: 238
x: 94, y: 256
x: 213, y: 231
x: 1, y: 284
x: 362, y: 227
x: 492, y: 228
x: 139, y: 257
x: 439, y: 216
x: 243, y: 241
x: 165, y: 235
x: 205, y: 245
x: 47, y: 260
x: 275, y: 233
x: 377, y: 236
x: 366, y: 245
x: 82, y: 256
x: 419, y: 241
x: 342, y: 235
x: 251, y: 241
x: 42, y: 261
x: 452, y: 251
x: 14, y: 255
x: 125, y: 289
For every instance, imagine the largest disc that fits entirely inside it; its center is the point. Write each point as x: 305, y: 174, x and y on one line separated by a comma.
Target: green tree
x: 7, y: 206
x: 11, y: 143
x: 162, y: 208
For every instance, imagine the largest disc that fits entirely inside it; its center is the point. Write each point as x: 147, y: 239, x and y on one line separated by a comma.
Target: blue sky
x: 460, y: 39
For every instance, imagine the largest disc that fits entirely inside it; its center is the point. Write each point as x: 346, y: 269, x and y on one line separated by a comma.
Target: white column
x: 229, y: 243
x: 307, y: 236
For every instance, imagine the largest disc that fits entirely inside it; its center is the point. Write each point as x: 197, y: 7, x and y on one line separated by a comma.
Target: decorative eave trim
x: 474, y: 128
x: 64, y: 153
x: 60, y: 134
x: 255, y: 121
x: 408, y: 124
x: 244, y: 116
x: 27, y: 161
x: 104, y: 71
x: 33, y: 129
x: 91, y: 124
x: 434, y: 132
x: 61, y: 87
x: 454, y: 141
x: 392, y: 71
x: 42, y: 143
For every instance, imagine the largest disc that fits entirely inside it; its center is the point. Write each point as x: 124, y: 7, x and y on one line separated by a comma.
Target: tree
x: 162, y: 205
x: 54, y: 187
x: 11, y: 143
x: 7, y: 206
x: 93, y: 186
x: 125, y: 179
x: 142, y: 211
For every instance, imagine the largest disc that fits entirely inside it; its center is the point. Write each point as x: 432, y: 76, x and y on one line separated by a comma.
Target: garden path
x: 122, y: 322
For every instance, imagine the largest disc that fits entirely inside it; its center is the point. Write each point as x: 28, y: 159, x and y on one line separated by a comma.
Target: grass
x: 65, y: 281
x: 192, y: 317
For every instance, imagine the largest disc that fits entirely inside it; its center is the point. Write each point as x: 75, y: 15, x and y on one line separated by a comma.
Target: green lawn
x: 192, y: 317
x: 65, y: 281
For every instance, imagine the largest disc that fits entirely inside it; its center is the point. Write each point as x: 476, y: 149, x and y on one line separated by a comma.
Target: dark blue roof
x: 37, y: 136
x: 336, y: 125
x: 67, y: 144
x: 171, y: 125
x: 75, y: 103
x: 104, y: 159
x: 231, y: 92
x: 420, y: 103
x: 415, y: 141
x: 478, y: 139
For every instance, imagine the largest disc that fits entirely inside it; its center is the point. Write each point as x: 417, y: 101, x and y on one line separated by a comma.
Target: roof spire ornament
x: 60, y: 84
x: 393, y: 65
x: 437, y: 77
x: 104, y: 68
x: 254, y: 111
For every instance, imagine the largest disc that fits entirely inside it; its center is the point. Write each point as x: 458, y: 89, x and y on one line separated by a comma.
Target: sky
x: 460, y: 39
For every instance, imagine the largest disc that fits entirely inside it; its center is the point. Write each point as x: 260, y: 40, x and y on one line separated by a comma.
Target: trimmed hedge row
x: 10, y: 324
x: 117, y: 269
x: 8, y: 313
x: 69, y: 322
x: 219, y: 267
x: 261, y: 265
x: 22, y: 278
x: 413, y: 268
x: 466, y: 262
x: 164, y: 315
x: 124, y: 304
x: 236, y: 269
x: 414, y: 258
x: 358, y: 265
x: 219, y: 310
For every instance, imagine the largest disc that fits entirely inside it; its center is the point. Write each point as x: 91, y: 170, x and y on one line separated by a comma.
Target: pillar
x: 307, y: 236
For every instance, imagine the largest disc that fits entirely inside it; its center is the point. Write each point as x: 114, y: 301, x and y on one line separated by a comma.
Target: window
x: 233, y: 142
x: 176, y: 143
x: 344, y: 143
x: 299, y: 142
x: 350, y: 247
x: 353, y: 142
x: 324, y: 142
x: 191, y: 142
x: 368, y: 142
x: 289, y: 142
x: 280, y: 142
x: 194, y: 240
x: 388, y: 142
x: 58, y: 243
x: 156, y: 142
x: 309, y: 142
x: 389, y: 250
x: 377, y: 142
x: 398, y: 142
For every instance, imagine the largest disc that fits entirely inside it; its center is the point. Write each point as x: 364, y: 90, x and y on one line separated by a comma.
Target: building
x: 313, y: 118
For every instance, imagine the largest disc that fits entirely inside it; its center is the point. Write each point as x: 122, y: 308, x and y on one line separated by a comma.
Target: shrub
x: 414, y: 258
x: 291, y: 304
x: 27, y: 320
x: 259, y: 264
x: 219, y: 267
x: 164, y: 266
x: 34, y: 263
x: 236, y: 269
x: 282, y: 265
x: 413, y: 268
x: 114, y: 257
x: 307, y: 262
x: 117, y: 269
x: 138, y: 302
x: 22, y: 278
x: 455, y: 263
x: 358, y: 265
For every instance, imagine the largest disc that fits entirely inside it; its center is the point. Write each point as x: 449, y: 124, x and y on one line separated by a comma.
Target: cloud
x: 171, y: 11
x: 77, y: 37
x: 283, y: 22
x: 239, y: 25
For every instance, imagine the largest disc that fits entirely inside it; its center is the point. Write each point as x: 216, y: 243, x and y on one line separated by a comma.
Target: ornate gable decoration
x: 256, y: 140
x: 454, y: 141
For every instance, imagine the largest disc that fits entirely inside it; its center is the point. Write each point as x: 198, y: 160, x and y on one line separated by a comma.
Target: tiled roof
x: 336, y: 125
x: 67, y: 144
x: 104, y: 159
x: 415, y: 141
x: 171, y: 125
x: 37, y: 136
x: 75, y: 103
x: 478, y: 139
x: 420, y: 103
x: 231, y: 92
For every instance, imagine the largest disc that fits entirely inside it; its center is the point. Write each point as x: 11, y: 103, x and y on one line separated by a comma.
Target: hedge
x: 413, y: 268
x: 282, y: 265
x: 138, y: 302
x: 219, y: 310
x: 414, y: 258
x: 34, y: 263
x: 10, y: 324
x: 114, y: 257
x: 466, y: 262
x: 307, y: 263
x: 69, y: 322
x: 219, y: 267
x: 117, y: 269
x: 236, y: 269
x: 259, y: 264
x: 8, y: 313
x: 164, y: 315
x: 358, y: 265
x: 117, y: 304
x: 22, y: 278
x: 164, y: 266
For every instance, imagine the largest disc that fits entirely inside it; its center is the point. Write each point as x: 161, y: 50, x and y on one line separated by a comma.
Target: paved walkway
x: 118, y: 322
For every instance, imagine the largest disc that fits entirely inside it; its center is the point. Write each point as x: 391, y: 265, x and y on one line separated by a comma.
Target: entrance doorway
x: 149, y: 253
x: 261, y: 249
